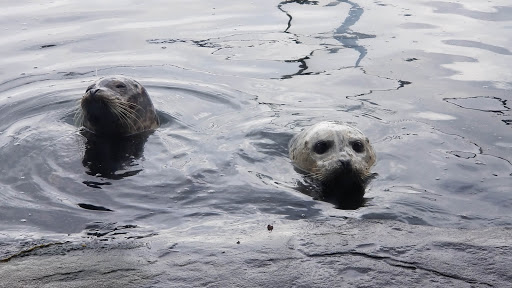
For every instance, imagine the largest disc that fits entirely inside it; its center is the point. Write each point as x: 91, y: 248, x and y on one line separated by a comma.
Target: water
x: 428, y: 83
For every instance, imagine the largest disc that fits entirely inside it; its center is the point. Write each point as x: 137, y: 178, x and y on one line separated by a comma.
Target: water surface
x: 428, y: 82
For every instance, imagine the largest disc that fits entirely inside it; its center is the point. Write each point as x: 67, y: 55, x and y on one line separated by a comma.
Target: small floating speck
x: 437, y: 178
x: 23, y: 220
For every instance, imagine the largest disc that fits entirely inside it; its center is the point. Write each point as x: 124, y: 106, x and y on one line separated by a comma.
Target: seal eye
x: 321, y: 147
x: 120, y: 85
x: 357, y: 146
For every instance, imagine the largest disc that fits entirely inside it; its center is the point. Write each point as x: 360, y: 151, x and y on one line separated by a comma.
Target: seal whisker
x: 78, y: 118
x: 123, y: 115
x: 316, y: 174
x: 129, y: 104
x: 119, y: 116
x: 132, y: 114
x: 129, y: 114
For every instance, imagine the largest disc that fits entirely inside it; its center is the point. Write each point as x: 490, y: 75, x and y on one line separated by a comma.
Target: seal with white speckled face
x: 117, y: 106
x: 336, y: 156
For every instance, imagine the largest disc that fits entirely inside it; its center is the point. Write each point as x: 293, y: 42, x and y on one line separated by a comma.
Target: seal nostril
x: 94, y: 91
x: 345, y: 164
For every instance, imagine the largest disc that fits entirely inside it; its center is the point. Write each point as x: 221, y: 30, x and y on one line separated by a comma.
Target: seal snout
x: 93, y: 101
x: 92, y: 92
x: 345, y: 164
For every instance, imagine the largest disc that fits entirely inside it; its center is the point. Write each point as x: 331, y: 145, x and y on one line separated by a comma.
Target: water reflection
x: 113, y: 157
x: 346, y: 36
x: 343, y: 34
x: 342, y: 193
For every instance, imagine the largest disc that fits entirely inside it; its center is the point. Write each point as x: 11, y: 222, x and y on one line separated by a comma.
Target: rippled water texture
x: 428, y: 82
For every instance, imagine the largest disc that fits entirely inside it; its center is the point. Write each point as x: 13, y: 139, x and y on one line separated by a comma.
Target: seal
x: 117, y: 106
x: 337, y: 158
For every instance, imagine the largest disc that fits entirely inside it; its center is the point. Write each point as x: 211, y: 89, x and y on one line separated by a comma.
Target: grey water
x: 428, y: 82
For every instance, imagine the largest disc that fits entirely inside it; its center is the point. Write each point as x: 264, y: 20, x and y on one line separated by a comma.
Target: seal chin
x: 345, y: 193
x: 344, y: 186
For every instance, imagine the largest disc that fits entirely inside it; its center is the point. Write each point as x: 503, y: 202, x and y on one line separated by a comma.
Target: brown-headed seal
x: 337, y: 158
x: 117, y: 106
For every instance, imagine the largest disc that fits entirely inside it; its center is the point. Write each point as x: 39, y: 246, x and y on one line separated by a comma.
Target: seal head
x: 338, y: 158
x: 117, y: 106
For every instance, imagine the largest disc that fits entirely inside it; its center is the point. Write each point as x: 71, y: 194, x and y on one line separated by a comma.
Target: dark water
x: 428, y: 82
